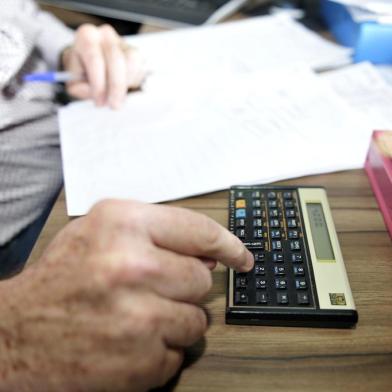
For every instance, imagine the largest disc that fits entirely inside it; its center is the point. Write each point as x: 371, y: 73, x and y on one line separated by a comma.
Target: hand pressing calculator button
x: 299, y: 277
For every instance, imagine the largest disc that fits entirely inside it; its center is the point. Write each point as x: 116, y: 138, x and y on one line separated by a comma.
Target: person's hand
x: 110, y: 67
x: 113, y: 301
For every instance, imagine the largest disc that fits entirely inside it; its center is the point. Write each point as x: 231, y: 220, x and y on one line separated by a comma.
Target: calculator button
x: 287, y: 195
x: 281, y: 284
x: 289, y: 204
x: 299, y: 270
x: 261, y: 283
x: 261, y: 297
x: 240, y: 195
x: 240, y: 223
x: 259, y: 269
x: 241, y: 213
x: 258, y: 233
x: 275, y: 234
x: 277, y: 257
x: 274, y: 213
x: 240, y: 203
x: 276, y: 245
x: 290, y: 213
x: 274, y: 223
x: 256, y: 203
x: 259, y: 256
x: 291, y: 223
x: 282, y: 298
x: 241, y: 297
x: 271, y: 195
x: 272, y: 203
x: 257, y: 222
x: 295, y: 245
x: 256, y: 195
x: 279, y: 270
x: 293, y: 234
x: 241, y: 283
x: 303, y: 298
x: 300, y: 284
x: 296, y: 258
x: 240, y: 233
x: 257, y: 213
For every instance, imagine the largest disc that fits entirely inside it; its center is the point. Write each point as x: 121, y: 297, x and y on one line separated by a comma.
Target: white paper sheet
x: 237, y: 47
x: 162, y: 145
x: 386, y: 72
x: 364, y: 89
x: 380, y: 7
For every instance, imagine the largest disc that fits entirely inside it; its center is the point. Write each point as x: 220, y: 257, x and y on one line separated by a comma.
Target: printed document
x: 236, y: 47
x: 163, y: 145
x: 363, y: 87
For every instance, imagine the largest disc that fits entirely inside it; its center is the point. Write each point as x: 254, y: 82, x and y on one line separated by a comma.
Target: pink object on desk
x: 378, y: 167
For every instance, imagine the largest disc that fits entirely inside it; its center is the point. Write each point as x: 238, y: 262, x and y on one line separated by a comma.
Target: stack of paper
x: 238, y: 47
x: 163, y: 146
x: 225, y: 105
x: 364, y: 89
x: 369, y: 10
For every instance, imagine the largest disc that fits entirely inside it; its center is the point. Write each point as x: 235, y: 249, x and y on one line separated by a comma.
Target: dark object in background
x: 121, y: 26
x: 166, y: 13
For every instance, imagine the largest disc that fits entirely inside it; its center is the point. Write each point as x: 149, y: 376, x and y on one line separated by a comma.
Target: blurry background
x: 126, y: 16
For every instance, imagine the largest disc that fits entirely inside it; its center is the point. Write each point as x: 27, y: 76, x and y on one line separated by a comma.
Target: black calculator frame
x: 287, y: 316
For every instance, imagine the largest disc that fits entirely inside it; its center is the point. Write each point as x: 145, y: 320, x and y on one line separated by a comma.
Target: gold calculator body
x: 299, y: 278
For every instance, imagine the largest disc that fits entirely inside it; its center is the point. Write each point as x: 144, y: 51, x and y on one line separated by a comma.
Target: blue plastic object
x: 371, y: 41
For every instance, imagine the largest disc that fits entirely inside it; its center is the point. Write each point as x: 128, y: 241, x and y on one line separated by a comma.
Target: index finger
x: 88, y: 47
x: 197, y: 235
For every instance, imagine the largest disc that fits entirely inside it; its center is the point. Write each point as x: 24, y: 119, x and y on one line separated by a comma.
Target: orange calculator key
x: 240, y: 204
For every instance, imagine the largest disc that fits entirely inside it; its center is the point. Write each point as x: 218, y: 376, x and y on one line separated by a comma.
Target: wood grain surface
x: 253, y: 358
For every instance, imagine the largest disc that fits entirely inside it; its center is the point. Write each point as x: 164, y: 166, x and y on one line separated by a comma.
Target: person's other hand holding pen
x: 110, y: 66
x: 102, y: 66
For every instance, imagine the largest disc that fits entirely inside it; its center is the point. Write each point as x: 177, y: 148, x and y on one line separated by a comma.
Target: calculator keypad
x: 270, y: 225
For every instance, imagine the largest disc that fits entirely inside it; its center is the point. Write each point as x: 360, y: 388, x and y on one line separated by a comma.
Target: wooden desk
x: 243, y: 358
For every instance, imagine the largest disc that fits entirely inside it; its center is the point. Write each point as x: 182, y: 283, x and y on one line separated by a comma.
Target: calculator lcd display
x: 318, y: 225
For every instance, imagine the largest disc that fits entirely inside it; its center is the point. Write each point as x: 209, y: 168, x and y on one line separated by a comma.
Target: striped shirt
x: 30, y: 165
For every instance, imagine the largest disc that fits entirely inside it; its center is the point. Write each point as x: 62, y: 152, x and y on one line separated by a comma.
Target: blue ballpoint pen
x: 53, y: 77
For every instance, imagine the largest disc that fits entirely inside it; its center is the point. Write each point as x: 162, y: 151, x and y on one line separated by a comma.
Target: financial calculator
x: 299, y: 277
